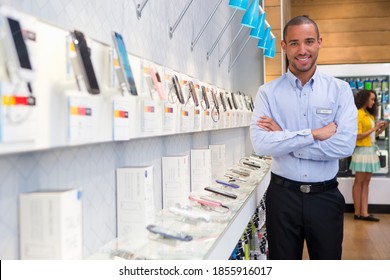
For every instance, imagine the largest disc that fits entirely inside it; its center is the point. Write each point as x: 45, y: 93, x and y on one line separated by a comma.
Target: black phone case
x: 83, y: 53
x: 222, y: 101
x: 221, y: 192
x: 177, y: 87
x: 215, y: 100
x: 193, y: 93
x: 234, y: 101
x: 228, y: 101
x: 205, y: 98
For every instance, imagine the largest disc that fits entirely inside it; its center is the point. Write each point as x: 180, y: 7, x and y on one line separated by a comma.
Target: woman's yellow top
x: 364, y: 124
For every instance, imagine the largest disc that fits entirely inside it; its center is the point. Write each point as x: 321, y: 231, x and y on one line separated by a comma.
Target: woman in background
x: 365, y: 161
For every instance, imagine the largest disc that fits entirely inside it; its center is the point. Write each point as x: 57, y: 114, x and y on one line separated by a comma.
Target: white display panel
x: 92, y: 165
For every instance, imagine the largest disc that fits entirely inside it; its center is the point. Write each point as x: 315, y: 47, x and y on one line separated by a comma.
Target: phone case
x: 228, y: 101
x: 152, y: 88
x: 234, y: 100
x: 216, y: 103
x: 83, y: 56
x: 232, y: 177
x: 205, y: 98
x: 232, y: 185
x: 205, y: 201
x: 240, y: 172
x: 222, y: 101
x: 177, y: 87
x: 157, y: 84
x: 14, y: 51
x: 221, y: 192
x: 167, y: 233
x: 251, y: 164
x: 193, y: 93
x: 124, y: 63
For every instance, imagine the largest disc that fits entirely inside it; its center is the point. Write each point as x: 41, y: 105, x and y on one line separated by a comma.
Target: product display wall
x: 91, y: 168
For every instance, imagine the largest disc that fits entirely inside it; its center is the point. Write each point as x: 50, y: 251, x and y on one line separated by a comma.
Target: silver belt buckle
x: 305, y: 188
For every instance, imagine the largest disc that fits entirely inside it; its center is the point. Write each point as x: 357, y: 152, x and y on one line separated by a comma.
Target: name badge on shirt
x: 324, y: 111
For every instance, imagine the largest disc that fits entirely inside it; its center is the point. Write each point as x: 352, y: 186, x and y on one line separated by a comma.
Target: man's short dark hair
x: 299, y: 20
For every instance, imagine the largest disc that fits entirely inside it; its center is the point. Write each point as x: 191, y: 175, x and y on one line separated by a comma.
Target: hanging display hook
x: 238, y: 55
x: 220, y: 34
x: 140, y: 7
x: 230, y: 46
x: 173, y: 28
x: 193, y: 43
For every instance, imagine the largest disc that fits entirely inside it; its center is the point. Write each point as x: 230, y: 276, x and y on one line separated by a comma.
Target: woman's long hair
x: 361, y: 99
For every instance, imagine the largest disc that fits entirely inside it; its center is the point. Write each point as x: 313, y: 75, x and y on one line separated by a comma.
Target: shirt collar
x: 296, y: 83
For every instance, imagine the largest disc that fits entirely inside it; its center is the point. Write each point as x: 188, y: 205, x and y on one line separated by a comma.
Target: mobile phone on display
x: 239, y: 100
x: 193, y: 93
x: 227, y: 184
x: 240, y: 172
x: 168, y: 233
x: 221, y: 192
x: 234, y: 100
x: 124, y: 63
x: 222, y: 101
x: 177, y: 87
x: 228, y: 101
x: 85, y: 63
x: 215, y: 100
x: 152, y: 89
x: 245, y: 99
x: 250, y: 105
x: 251, y: 164
x: 157, y: 83
x: 233, y: 177
x: 205, y: 201
x: 16, y: 53
x: 205, y: 98
x: 122, y: 255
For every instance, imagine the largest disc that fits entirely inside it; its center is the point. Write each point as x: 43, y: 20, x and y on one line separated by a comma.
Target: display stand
x: 211, y: 240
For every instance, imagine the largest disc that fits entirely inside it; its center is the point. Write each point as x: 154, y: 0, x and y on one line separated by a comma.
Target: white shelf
x: 225, y: 244
x: 212, y: 241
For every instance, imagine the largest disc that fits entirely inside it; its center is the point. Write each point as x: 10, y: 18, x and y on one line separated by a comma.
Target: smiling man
x: 306, y: 121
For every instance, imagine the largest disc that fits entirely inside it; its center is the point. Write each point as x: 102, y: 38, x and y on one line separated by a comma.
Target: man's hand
x: 268, y: 124
x: 325, y: 132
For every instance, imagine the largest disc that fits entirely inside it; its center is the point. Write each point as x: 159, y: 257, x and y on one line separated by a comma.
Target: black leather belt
x: 303, y: 186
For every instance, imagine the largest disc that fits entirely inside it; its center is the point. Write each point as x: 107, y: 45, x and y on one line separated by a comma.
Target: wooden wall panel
x: 269, y: 78
x: 274, y: 65
x: 354, y: 31
x: 350, y: 55
x: 271, y: 3
x: 354, y: 24
x: 343, y: 10
x: 277, y: 34
x: 325, y: 2
x: 355, y: 39
x: 275, y: 17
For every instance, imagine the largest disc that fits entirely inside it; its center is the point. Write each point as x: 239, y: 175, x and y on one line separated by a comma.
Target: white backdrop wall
x: 92, y: 167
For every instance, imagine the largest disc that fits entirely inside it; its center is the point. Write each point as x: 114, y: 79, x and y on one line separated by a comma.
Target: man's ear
x: 283, y: 45
x: 320, y: 42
